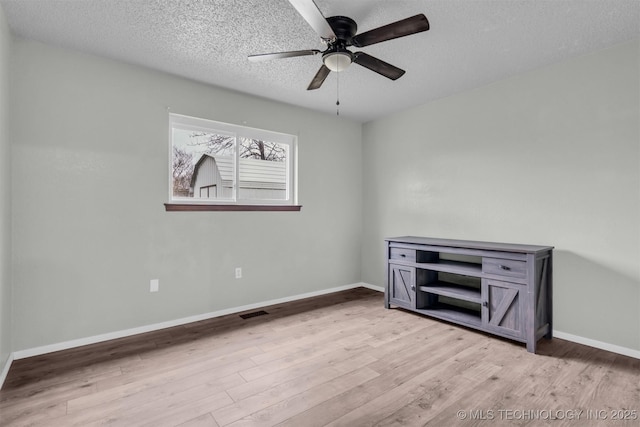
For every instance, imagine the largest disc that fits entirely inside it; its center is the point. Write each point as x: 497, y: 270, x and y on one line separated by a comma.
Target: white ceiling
x: 471, y: 42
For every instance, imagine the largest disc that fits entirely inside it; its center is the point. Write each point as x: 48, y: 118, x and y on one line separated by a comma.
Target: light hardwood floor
x: 337, y: 360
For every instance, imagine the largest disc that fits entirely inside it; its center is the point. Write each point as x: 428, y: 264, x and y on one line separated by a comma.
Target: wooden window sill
x: 186, y: 207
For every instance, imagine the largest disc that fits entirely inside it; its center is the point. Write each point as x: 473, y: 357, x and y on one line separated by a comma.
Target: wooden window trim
x: 192, y: 207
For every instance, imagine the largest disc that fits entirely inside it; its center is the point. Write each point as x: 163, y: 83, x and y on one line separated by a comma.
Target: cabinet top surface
x: 471, y: 244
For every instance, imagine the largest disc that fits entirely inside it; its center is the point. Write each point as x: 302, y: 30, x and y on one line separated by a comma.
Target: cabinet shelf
x: 445, y: 266
x: 453, y: 314
x: 455, y: 267
x: 452, y: 290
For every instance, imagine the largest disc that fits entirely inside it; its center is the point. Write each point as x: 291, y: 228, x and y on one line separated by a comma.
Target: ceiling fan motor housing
x: 343, y: 27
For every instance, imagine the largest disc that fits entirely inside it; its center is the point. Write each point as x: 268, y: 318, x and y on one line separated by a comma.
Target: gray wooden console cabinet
x: 500, y: 288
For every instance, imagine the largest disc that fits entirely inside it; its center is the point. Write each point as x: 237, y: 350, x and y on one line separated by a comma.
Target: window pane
x: 203, y: 164
x: 263, y: 169
x: 225, y: 164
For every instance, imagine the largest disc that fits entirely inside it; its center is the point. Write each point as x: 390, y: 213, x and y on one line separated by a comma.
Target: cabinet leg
x: 531, y: 346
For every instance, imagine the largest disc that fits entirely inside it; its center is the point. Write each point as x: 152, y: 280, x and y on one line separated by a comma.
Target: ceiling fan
x: 338, y: 33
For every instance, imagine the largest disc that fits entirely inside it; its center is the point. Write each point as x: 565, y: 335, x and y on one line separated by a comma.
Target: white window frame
x: 204, y: 125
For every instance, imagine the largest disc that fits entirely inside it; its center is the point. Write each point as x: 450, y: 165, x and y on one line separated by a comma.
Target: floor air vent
x: 254, y: 314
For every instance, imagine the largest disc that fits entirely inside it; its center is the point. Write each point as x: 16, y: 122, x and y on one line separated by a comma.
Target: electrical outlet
x: 154, y: 285
x: 238, y: 273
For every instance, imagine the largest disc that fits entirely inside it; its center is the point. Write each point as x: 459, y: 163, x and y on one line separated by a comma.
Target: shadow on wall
x: 594, y: 301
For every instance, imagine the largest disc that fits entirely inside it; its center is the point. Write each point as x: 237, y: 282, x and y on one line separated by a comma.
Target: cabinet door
x: 503, y: 308
x: 402, y: 286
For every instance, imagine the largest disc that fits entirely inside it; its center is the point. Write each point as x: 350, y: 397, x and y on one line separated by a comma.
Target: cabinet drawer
x: 403, y: 254
x: 504, y: 267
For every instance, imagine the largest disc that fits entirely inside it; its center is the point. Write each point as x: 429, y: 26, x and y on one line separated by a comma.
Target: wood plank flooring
x: 334, y: 360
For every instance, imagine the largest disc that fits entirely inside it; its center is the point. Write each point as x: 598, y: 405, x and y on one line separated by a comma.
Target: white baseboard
x: 372, y: 287
x: 597, y: 344
x: 5, y: 369
x: 22, y: 354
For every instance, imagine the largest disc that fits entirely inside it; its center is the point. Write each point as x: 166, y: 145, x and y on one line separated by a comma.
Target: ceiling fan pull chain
x: 337, y: 94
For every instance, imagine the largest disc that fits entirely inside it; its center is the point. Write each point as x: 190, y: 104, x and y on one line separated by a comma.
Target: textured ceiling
x: 471, y: 42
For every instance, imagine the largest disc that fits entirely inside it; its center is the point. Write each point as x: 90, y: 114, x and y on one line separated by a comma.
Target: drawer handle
x: 504, y: 267
x: 403, y: 255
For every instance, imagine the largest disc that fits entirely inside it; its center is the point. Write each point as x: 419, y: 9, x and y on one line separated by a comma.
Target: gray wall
x: 549, y: 157
x: 90, y: 165
x: 5, y: 197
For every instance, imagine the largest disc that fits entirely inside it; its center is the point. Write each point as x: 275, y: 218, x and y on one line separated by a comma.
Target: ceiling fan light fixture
x: 337, y: 61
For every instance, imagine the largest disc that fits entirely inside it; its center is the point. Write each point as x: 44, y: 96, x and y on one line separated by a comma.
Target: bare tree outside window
x: 249, y: 148
x: 211, y: 143
x: 182, y: 171
x: 262, y: 150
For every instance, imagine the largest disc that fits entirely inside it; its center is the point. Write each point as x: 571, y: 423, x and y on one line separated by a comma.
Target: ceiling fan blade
x: 377, y: 65
x: 405, y: 27
x: 279, y: 55
x: 310, y: 12
x: 317, y: 81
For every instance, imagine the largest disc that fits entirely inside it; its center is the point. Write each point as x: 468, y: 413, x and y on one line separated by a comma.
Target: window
x: 220, y: 166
